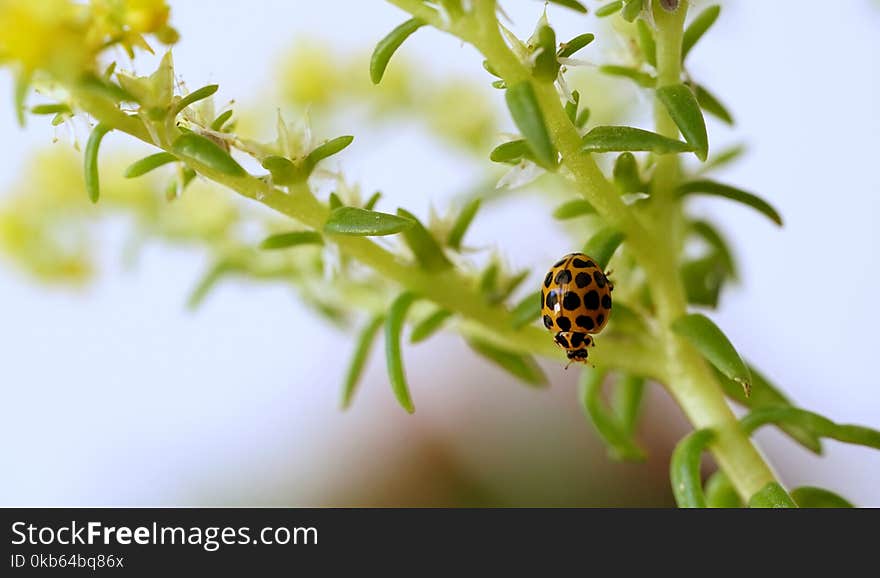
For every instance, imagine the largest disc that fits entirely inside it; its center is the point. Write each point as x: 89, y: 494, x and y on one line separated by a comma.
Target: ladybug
x: 576, y: 302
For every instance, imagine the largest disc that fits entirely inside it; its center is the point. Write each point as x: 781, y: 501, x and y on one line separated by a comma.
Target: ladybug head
x: 578, y: 355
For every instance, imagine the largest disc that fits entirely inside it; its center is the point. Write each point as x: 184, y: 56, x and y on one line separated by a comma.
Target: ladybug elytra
x: 575, y: 303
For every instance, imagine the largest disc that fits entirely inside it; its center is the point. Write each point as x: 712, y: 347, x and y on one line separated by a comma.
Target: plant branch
x: 449, y: 290
x: 689, y: 378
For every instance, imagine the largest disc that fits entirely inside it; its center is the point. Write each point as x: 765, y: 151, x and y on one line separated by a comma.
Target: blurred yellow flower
x: 47, y: 35
x: 146, y: 16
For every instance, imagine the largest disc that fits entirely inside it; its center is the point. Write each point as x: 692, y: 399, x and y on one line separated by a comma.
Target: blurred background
x: 115, y: 394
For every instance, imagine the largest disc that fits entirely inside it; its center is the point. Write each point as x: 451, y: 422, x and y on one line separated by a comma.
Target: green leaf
x: 393, y: 328
x: 51, y: 109
x: 812, y: 497
x: 510, y: 285
x: 147, y: 164
x: 335, y: 202
x: 684, y: 469
x: 490, y: 70
x: 697, y: 28
x: 627, y: 401
x: 364, y: 223
x: 724, y: 157
x: 22, y: 86
x: 641, y: 78
x: 424, y: 246
x: 813, y: 422
x: 371, y: 202
x: 619, y: 442
x: 609, y: 9
x: 647, y: 43
x: 682, y: 106
x: 546, y: 66
x: 511, y: 152
x: 714, y: 238
x: 208, y: 282
x: 720, y: 493
x: 712, y: 105
x: 573, y: 208
x: 194, y: 97
x: 429, y: 325
x: 573, y: 4
x: 603, y: 244
x: 386, y: 47
x: 529, y: 119
x: 489, y: 280
x: 712, y: 188
x: 361, y: 352
x: 523, y: 367
x: 206, y: 152
x: 771, y: 496
x: 284, y: 171
x: 218, y: 122
x: 103, y: 88
x: 568, y: 49
x: 583, y: 117
x: 462, y: 222
x: 626, y: 173
x: 766, y: 394
x: 571, y: 106
x: 712, y: 344
x: 327, y: 149
x: 292, y: 239
x: 631, y: 9
x: 526, y: 311
x: 603, y: 139
x: 703, y: 279
x: 93, y: 182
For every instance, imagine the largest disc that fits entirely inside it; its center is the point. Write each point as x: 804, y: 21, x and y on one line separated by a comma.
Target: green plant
x: 638, y: 215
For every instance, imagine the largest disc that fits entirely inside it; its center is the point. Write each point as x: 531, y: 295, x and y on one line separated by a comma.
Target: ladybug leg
x: 607, y: 274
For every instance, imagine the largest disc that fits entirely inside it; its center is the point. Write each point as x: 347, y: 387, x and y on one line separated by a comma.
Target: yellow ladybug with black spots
x: 575, y: 303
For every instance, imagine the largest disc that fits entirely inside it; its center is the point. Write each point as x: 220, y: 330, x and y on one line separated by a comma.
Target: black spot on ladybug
x: 577, y: 339
x: 563, y: 322
x: 591, y: 265
x: 571, y: 301
x: 579, y: 263
x: 591, y: 300
x: 560, y: 262
x: 552, y: 299
x: 548, y: 322
x: 600, y: 278
x: 585, y: 321
x: 561, y: 340
x: 548, y: 279
x: 606, y: 301
x: 583, y: 279
x: 600, y: 319
x: 563, y: 277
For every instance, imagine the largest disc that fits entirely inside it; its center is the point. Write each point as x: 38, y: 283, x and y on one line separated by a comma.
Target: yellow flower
x: 146, y: 16
x: 48, y: 35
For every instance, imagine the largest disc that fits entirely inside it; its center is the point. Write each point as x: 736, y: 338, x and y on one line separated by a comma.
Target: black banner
x: 136, y: 541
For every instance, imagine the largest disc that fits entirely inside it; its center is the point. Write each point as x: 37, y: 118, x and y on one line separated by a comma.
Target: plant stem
x: 449, y: 290
x: 690, y: 381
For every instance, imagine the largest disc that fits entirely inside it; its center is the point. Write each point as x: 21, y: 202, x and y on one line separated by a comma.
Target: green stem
x: 449, y: 290
x: 689, y: 378
x: 692, y: 383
